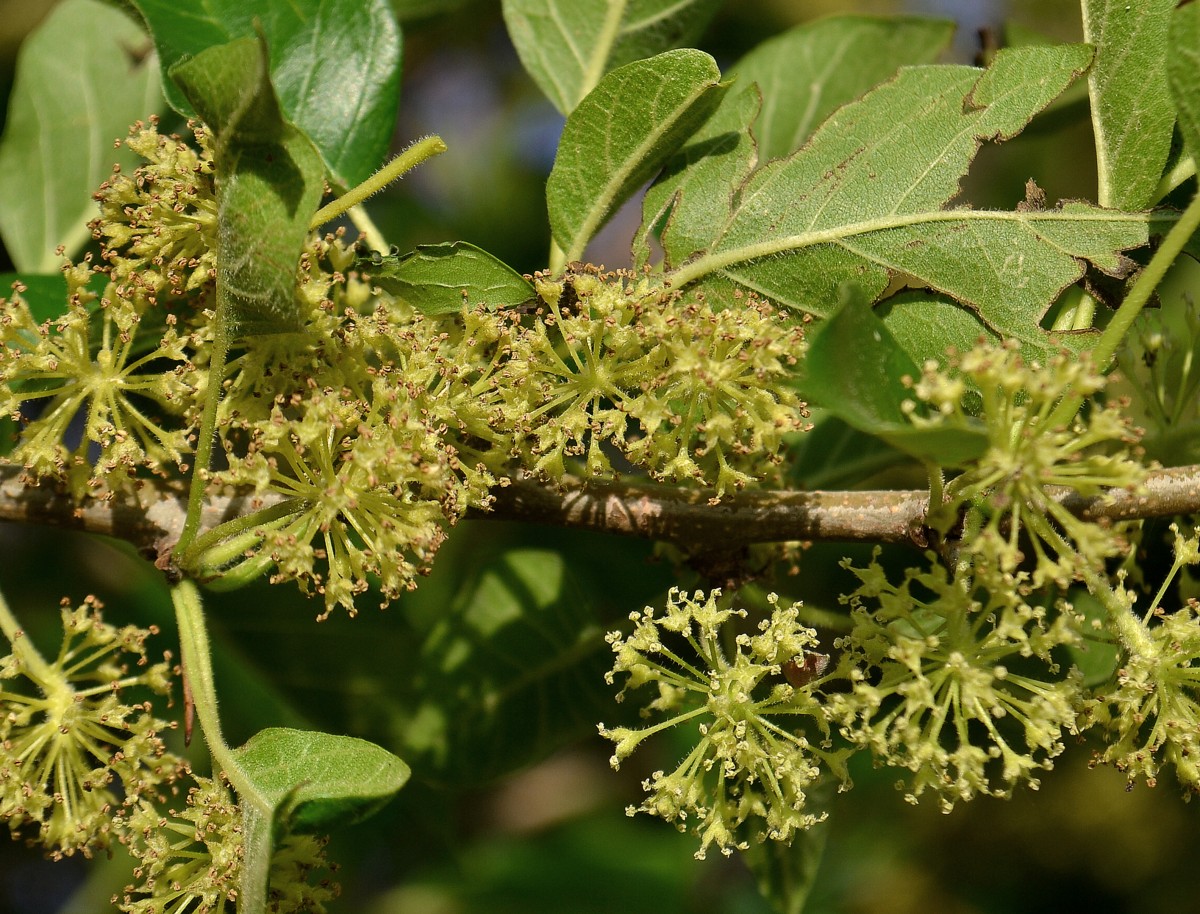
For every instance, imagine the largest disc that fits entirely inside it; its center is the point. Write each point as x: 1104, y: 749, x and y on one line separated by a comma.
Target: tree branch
x: 153, y: 518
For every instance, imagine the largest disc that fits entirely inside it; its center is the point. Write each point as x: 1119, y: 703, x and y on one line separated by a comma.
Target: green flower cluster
x: 954, y: 678
x: 1007, y: 494
x: 1150, y: 713
x: 750, y: 772
x: 190, y: 861
x: 74, y: 748
x: 366, y: 433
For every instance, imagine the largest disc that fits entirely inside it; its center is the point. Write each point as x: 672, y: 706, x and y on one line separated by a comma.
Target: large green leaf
x: 269, y: 182
x: 801, y: 77
x: 855, y: 369
x: 621, y: 134
x: 864, y: 200
x: 568, y: 45
x: 1132, y: 115
x: 315, y: 781
x: 442, y: 278
x: 806, y: 73
x: 512, y: 670
x: 335, y: 65
x: 81, y: 80
x: 1183, y: 68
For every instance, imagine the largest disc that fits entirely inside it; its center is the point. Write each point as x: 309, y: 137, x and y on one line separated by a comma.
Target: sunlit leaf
x: 621, y: 134
x: 1183, y: 67
x: 1132, y: 116
x: 568, y: 45
x: 335, y: 65
x: 82, y: 78
x: 443, y: 278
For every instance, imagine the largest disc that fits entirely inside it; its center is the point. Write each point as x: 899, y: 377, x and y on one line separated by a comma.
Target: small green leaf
x: 46, y: 294
x: 81, y: 80
x: 269, y: 182
x: 855, y: 370
x: 335, y: 65
x: 443, y: 278
x: 512, y: 671
x: 621, y: 134
x: 807, y: 72
x: 1132, y: 115
x: 1183, y: 70
x: 315, y: 781
x: 1097, y: 655
x: 568, y: 45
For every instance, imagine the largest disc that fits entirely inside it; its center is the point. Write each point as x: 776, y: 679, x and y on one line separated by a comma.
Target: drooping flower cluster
x: 1008, y: 488
x: 753, y: 765
x: 1150, y: 714
x: 190, y: 860
x: 74, y: 747
x: 953, y: 677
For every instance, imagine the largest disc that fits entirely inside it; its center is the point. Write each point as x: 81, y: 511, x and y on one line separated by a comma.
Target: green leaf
x: 315, y: 781
x: 1098, y: 655
x: 1132, y: 115
x: 806, y: 73
x: 81, y: 80
x: 855, y: 369
x: 801, y: 78
x: 863, y: 201
x: 568, y: 45
x: 443, y: 278
x: 46, y: 294
x: 513, y: 670
x: 335, y: 65
x: 621, y: 134
x: 1183, y: 70
x: 269, y: 182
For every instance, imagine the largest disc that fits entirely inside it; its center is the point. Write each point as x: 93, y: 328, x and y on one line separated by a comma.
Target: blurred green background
x: 554, y: 836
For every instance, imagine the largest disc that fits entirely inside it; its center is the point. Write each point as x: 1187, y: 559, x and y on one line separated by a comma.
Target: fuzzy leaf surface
x: 811, y: 70
x: 316, y: 781
x: 442, y: 278
x: 801, y: 77
x: 269, y: 182
x: 1183, y: 69
x: 568, y: 45
x: 621, y: 134
x: 335, y: 65
x: 1132, y: 115
x: 865, y: 199
x: 79, y: 84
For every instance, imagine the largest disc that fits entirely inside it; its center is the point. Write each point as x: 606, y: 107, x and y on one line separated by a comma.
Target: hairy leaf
x: 621, y: 134
x: 568, y: 45
x: 269, y: 182
x: 514, y: 669
x: 801, y: 77
x: 807, y: 72
x: 315, y: 781
x: 1183, y: 68
x: 1132, y: 116
x: 442, y: 278
x: 82, y: 79
x: 864, y: 200
x: 335, y: 65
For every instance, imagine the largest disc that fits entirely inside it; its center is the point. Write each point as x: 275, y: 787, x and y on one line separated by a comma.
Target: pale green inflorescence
x: 1150, y: 713
x: 954, y: 678
x: 753, y: 766
x: 190, y: 861
x: 1006, y: 492
x: 74, y: 747
x: 370, y: 430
